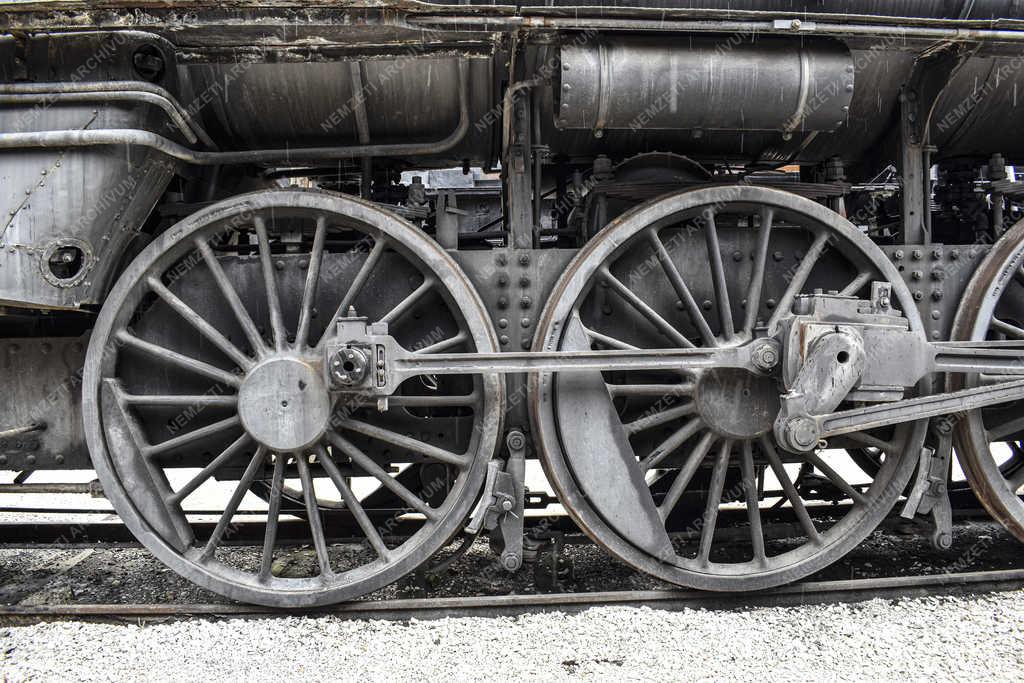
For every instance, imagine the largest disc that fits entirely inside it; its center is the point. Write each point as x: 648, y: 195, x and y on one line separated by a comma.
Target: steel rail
x: 143, y: 138
x: 804, y: 593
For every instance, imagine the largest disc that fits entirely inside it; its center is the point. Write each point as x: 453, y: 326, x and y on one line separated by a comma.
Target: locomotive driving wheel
x: 636, y: 455
x: 206, y: 371
x: 990, y: 442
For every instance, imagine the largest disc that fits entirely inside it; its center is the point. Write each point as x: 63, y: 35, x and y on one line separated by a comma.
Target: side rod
x: 885, y: 414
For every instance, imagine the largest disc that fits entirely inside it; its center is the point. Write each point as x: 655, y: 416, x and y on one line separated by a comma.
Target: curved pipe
x: 141, y: 138
x: 108, y: 91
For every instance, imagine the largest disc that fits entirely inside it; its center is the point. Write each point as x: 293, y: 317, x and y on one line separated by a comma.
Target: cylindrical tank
x: 703, y: 83
x: 700, y: 97
x: 404, y: 99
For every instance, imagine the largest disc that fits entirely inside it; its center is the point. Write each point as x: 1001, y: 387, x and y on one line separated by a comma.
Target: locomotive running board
x: 600, y: 455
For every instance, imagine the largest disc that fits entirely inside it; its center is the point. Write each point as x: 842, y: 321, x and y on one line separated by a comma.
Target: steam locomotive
x: 743, y: 276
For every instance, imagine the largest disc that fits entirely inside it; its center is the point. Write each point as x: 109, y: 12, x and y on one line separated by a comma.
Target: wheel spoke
x: 857, y: 284
x: 833, y: 476
x: 365, y: 463
x: 646, y: 311
x: 316, y: 257
x: 791, y: 493
x: 273, y: 516
x: 231, y: 296
x: 760, y: 266
x: 362, y: 275
x: 669, y: 445
x: 1006, y: 328
x: 456, y: 401
x: 612, y: 342
x: 443, y: 345
x: 270, y: 284
x: 198, y: 400
x: 1006, y: 428
x: 316, y: 525
x: 177, y: 442
x: 693, y: 461
x: 200, y: 324
x: 244, y: 484
x: 707, y: 532
x: 406, y: 442
x: 352, y: 503
x: 682, y: 291
x: 800, y: 276
x: 182, y: 361
x: 871, y: 441
x: 1016, y: 480
x: 651, y: 390
x: 659, y: 418
x: 403, y: 306
x: 718, y: 274
x: 753, y: 502
x: 204, y: 474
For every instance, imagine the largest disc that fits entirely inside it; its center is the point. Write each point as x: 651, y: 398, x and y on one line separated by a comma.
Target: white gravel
x: 973, y: 638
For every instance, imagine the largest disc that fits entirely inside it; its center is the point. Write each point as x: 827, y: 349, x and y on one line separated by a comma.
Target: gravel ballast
x: 965, y: 638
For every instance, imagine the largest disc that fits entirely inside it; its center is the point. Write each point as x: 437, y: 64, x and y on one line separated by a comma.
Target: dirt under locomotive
x: 702, y: 259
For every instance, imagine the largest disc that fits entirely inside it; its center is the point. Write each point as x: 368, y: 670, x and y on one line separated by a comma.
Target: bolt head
x: 765, y: 356
x: 802, y: 432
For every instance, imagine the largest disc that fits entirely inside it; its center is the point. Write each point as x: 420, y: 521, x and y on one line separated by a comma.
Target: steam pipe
x: 141, y: 138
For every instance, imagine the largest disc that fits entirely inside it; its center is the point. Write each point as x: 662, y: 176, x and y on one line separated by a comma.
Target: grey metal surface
x: 637, y: 82
x: 88, y: 204
x: 41, y: 396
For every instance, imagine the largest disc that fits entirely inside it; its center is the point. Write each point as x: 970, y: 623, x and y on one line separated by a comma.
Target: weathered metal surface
x: 68, y: 215
x: 41, y: 379
x: 629, y: 83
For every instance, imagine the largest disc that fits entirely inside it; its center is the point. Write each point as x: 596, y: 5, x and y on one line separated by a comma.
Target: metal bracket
x: 500, y: 508
x: 510, y: 525
x: 930, y: 75
x: 930, y: 493
x: 834, y: 364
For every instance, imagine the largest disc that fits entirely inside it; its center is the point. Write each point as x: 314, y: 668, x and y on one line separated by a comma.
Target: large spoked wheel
x: 635, y: 454
x: 990, y: 442
x: 206, y: 368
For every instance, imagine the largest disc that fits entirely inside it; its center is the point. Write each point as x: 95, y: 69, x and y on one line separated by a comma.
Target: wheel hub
x: 737, y: 404
x: 284, y: 404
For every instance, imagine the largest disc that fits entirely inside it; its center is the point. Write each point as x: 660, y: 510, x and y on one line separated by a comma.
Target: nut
x: 765, y: 356
x: 349, y: 366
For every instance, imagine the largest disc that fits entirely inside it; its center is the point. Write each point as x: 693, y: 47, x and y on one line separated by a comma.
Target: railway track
x: 113, y: 533
x: 809, y: 592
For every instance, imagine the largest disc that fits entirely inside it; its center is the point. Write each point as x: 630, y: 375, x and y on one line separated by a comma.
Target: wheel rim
x: 255, y: 335
x: 741, y: 442
x: 993, y: 308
